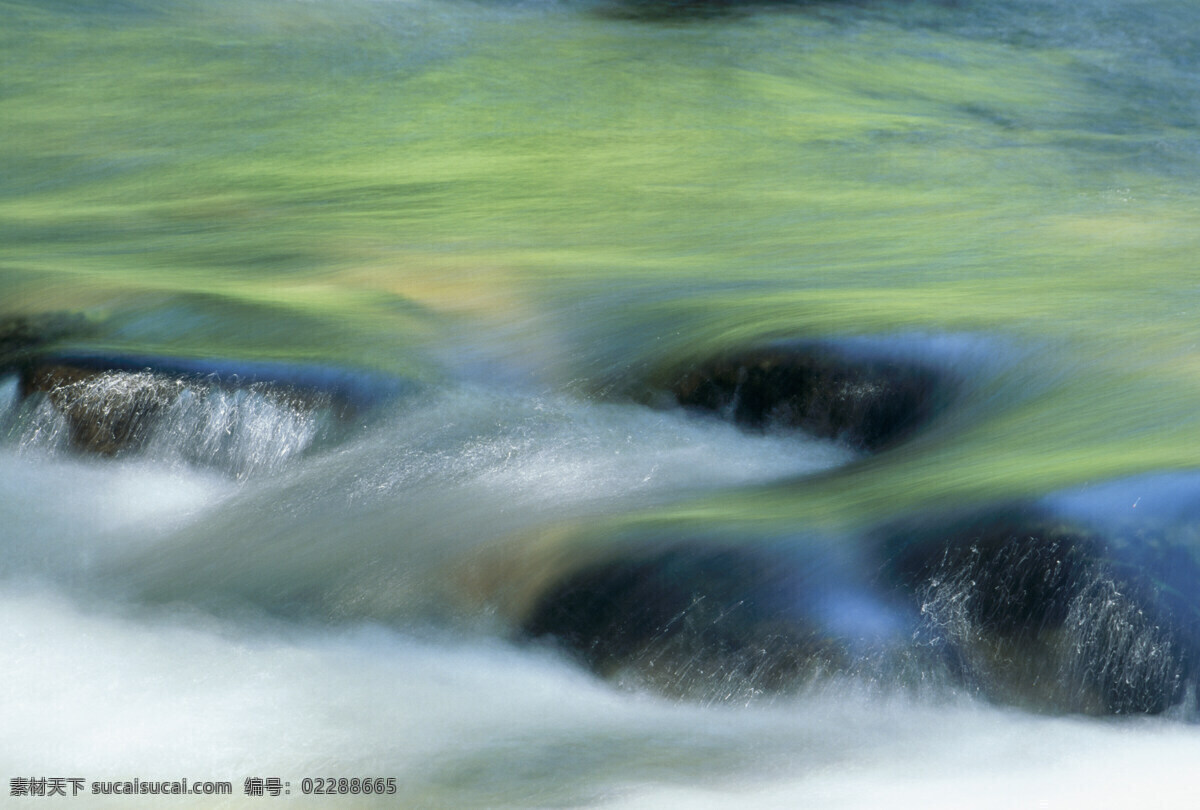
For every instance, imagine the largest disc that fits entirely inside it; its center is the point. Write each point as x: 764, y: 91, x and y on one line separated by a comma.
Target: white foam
x: 379, y: 527
x: 239, y: 431
x: 98, y: 690
x: 470, y: 722
x: 987, y: 760
x: 244, y: 431
x: 56, y: 512
x: 556, y: 450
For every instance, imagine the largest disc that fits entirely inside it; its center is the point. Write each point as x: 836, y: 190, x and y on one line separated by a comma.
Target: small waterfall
x: 243, y: 431
x: 173, y: 419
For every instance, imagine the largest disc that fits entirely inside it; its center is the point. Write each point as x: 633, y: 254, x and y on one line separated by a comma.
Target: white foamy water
x: 163, y: 621
x: 104, y: 694
x: 57, y: 513
x: 554, y: 450
x: 382, y: 526
x: 174, y: 421
x: 370, y: 535
x: 244, y: 431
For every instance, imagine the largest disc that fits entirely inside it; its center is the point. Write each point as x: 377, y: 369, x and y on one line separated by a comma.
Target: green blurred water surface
x: 593, y: 194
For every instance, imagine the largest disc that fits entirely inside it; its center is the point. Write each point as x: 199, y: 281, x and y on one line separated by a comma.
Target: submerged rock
x: 1017, y: 604
x: 867, y: 398
x: 1048, y: 613
x: 716, y: 622
x: 105, y: 413
x: 186, y: 410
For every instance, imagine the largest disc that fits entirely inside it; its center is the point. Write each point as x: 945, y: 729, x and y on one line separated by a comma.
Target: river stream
x: 412, y: 296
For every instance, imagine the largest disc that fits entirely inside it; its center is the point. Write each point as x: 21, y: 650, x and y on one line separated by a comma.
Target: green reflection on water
x: 359, y: 182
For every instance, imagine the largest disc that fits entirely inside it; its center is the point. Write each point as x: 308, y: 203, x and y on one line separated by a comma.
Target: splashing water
x: 226, y: 579
x: 240, y: 431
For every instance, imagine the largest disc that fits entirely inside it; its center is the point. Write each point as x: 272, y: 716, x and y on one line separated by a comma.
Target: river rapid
x: 412, y: 295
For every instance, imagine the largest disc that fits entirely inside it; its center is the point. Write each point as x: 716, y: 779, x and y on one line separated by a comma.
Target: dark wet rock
x: 106, y: 412
x: 713, y: 622
x: 867, y: 399
x: 114, y: 411
x: 22, y: 336
x: 350, y: 390
x: 236, y: 416
x: 1045, y: 613
x: 1018, y: 604
x: 1024, y: 567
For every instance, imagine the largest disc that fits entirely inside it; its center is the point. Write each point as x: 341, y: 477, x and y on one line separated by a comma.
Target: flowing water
x: 475, y: 238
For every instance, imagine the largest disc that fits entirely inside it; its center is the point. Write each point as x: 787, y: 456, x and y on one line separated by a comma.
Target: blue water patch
x: 10, y: 393
x: 1171, y: 497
